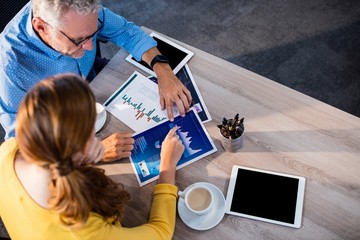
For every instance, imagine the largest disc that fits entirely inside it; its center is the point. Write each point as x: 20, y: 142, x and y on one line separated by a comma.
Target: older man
x: 49, y: 37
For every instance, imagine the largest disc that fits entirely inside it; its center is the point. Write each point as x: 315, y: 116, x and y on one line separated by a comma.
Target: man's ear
x: 39, y: 25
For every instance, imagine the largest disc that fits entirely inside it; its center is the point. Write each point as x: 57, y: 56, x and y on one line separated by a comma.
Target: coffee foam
x: 199, y: 199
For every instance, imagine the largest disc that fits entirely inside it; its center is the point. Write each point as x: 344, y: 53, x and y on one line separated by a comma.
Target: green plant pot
x: 232, y: 145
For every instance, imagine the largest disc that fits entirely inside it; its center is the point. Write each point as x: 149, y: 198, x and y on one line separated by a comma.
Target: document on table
x: 145, y: 157
x: 185, y: 76
x: 136, y: 103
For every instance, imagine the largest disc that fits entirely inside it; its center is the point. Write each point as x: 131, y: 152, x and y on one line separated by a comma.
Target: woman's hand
x: 171, y: 151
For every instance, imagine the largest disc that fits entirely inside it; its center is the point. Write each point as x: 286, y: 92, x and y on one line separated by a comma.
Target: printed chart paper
x: 137, y: 103
x: 185, y: 76
x: 145, y: 157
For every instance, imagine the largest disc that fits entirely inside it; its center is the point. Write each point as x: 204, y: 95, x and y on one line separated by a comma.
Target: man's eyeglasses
x: 81, y: 41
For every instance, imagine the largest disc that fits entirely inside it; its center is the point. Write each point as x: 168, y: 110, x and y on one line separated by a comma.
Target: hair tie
x: 65, y: 167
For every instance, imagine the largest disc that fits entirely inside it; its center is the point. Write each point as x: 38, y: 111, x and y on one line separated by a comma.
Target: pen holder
x: 232, y: 145
x: 232, y: 133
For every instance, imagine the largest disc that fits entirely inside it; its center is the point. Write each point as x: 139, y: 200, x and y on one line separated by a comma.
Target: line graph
x: 145, y: 156
x: 186, y: 140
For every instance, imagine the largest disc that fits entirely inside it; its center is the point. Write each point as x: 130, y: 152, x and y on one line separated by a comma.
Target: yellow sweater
x: 25, y: 219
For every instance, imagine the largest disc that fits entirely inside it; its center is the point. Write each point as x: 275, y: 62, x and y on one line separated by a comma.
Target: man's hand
x: 171, y: 90
x: 117, y: 146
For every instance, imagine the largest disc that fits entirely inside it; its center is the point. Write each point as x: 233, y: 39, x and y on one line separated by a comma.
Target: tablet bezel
x: 299, y: 200
x: 176, y: 69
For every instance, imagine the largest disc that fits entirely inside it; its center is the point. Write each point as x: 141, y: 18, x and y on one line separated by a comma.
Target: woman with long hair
x: 50, y: 188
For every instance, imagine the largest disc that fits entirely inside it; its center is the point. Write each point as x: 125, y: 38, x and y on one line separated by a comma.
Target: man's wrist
x: 158, y: 59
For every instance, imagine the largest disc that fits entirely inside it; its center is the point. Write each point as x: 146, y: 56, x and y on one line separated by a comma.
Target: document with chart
x: 185, y: 76
x: 137, y: 103
x: 145, y: 157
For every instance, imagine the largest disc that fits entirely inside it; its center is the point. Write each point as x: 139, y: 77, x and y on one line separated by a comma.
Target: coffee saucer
x: 100, y: 121
x: 206, y: 221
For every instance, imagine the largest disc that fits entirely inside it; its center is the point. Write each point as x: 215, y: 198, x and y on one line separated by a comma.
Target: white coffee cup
x: 198, y: 199
x: 100, y: 110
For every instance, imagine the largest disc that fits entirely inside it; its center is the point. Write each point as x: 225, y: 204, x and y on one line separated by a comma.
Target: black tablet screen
x: 265, y: 195
x: 174, y: 54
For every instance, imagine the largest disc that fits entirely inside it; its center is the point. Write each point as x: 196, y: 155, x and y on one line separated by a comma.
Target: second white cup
x: 100, y: 110
x: 198, y: 199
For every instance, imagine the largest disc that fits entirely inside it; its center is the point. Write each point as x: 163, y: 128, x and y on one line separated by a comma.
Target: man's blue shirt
x: 25, y: 59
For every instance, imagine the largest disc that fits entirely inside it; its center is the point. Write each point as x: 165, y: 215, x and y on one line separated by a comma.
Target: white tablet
x: 178, y: 56
x: 266, y: 196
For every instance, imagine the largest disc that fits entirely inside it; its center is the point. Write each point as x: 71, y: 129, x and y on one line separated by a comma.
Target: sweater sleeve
x: 161, y: 223
x: 163, y: 210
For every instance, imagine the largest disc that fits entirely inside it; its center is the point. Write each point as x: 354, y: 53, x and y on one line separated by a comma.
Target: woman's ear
x: 89, y: 144
x: 78, y: 158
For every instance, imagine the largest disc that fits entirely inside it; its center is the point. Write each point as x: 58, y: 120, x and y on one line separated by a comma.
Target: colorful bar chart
x: 137, y: 103
x: 141, y: 112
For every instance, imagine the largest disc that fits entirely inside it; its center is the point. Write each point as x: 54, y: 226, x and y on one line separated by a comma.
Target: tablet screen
x: 174, y: 54
x: 267, y: 196
x: 177, y: 55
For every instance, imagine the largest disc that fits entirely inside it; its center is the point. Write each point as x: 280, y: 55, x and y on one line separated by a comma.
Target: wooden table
x: 286, y: 131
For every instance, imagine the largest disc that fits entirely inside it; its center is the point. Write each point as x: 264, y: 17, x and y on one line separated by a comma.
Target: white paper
x: 137, y: 103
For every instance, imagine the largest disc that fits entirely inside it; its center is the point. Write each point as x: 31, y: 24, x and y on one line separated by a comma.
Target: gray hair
x: 52, y: 10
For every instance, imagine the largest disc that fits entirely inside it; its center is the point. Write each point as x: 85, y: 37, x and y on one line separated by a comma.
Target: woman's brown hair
x: 55, y: 120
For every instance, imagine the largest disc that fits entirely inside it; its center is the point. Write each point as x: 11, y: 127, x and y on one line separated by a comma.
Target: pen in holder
x: 232, y: 133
